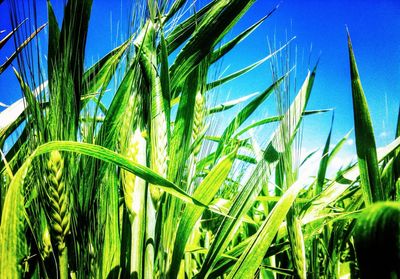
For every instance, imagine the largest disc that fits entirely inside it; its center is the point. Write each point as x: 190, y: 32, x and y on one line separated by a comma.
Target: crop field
x: 117, y: 170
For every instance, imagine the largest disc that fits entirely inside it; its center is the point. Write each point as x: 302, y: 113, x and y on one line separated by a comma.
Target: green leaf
x: 246, y: 197
x: 8, y: 62
x: 165, y: 80
x: 180, y: 140
x: 217, y: 54
x: 205, y: 193
x: 338, y: 146
x: 308, y: 156
x: 239, y: 208
x: 176, y: 6
x: 230, y: 258
x: 53, y: 43
x: 243, y: 115
x: 323, y: 164
x: 66, y: 61
x: 231, y: 104
x: 109, y: 156
x: 14, y: 115
x: 98, y: 76
x: 376, y: 239
x: 396, y: 162
x: 34, y: 108
x: 184, y: 30
x: 335, y: 190
x: 365, y: 140
x: 110, y: 131
x: 291, y: 121
x: 13, y: 246
x: 272, y: 119
x: 214, y: 25
x: 9, y: 35
x: 252, y: 257
x: 246, y: 69
x: 108, y: 134
x: 108, y: 217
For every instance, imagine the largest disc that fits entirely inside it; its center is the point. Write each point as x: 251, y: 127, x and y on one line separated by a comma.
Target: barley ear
x: 59, y: 212
x: 128, y: 178
x: 198, y: 121
x: 46, y: 242
x: 159, y: 141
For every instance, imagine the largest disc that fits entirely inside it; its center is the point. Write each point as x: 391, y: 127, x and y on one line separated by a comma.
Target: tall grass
x: 130, y: 191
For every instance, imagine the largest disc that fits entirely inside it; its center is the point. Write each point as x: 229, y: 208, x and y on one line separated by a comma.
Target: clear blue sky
x: 375, y: 32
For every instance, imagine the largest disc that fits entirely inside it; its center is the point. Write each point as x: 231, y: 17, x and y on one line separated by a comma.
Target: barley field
x: 116, y: 170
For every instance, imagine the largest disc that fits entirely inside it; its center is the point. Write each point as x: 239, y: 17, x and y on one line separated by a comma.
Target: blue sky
x: 319, y: 27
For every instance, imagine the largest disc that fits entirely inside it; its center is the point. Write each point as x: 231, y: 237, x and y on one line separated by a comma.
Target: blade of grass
x: 245, y: 70
x: 210, y: 30
x: 217, y: 54
x: 13, y: 246
x: 9, y: 35
x: 253, y: 255
x: 231, y: 104
x: 243, y: 115
x: 185, y: 29
x: 323, y: 165
x: 109, y: 156
x: 365, y: 140
x: 335, y: 190
x: 272, y: 119
x: 8, y: 62
x: 246, y: 197
x: 205, y: 192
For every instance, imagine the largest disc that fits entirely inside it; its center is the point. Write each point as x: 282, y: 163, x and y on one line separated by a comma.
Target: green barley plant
x: 143, y: 187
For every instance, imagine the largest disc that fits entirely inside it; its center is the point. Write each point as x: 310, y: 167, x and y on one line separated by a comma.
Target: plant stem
x: 138, y: 230
x: 63, y: 260
x: 150, y: 238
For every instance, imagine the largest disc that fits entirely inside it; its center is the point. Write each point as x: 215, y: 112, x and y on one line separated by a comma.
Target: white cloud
x: 350, y: 141
x: 339, y: 161
x: 383, y: 134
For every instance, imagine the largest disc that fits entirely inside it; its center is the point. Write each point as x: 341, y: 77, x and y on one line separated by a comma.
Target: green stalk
x: 135, y: 197
x: 133, y: 145
x: 149, y: 249
x: 63, y: 258
x: 159, y: 127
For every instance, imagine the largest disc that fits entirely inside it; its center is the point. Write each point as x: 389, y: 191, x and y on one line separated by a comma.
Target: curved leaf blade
x: 243, y: 115
x: 365, y: 140
x: 109, y: 156
x: 205, y: 193
x: 254, y: 253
